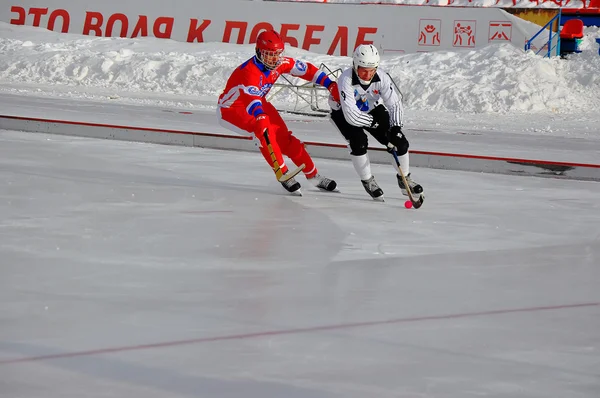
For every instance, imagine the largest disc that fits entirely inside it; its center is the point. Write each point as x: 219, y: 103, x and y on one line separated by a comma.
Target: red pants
x: 282, y: 140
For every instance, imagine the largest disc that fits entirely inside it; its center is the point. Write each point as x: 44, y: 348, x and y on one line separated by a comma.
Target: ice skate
x: 373, y: 189
x: 415, y: 189
x: 323, y: 183
x: 292, y: 186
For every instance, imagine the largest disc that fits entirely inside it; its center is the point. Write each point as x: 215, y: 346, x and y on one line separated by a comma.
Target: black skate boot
x: 292, y: 186
x: 372, y: 188
x: 415, y: 189
x: 323, y: 183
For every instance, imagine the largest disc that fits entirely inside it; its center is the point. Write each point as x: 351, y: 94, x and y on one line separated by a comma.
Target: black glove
x: 381, y: 118
x: 397, y: 141
x: 395, y: 131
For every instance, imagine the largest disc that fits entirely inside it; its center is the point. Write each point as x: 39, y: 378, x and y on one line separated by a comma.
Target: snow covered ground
x: 497, y: 88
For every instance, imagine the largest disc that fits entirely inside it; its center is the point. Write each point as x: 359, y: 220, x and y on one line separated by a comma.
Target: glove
x: 262, y: 124
x: 397, y: 141
x: 381, y: 118
x: 395, y: 131
x: 334, y: 91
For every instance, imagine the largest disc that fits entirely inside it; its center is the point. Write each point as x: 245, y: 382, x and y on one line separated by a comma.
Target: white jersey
x: 357, y: 99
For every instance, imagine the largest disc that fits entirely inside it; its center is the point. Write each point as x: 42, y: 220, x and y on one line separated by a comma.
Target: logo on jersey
x: 362, y: 102
x: 261, y: 92
x: 301, y: 66
x: 375, y: 92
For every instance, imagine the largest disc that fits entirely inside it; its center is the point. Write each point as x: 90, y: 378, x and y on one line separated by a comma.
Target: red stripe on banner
x: 479, y: 157
x: 114, y: 126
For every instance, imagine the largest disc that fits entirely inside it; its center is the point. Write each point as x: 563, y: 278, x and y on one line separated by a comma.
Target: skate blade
x: 296, y: 193
x: 379, y: 199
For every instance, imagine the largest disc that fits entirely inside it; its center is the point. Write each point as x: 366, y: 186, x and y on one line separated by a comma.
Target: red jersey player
x: 244, y: 109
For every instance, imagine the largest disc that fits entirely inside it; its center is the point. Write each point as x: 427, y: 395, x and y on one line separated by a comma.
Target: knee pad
x: 358, y: 145
x: 292, y: 147
x: 401, y: 144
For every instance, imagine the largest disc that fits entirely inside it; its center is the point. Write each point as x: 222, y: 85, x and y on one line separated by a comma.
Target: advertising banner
x: 576, y: 4
x: 334, y: 29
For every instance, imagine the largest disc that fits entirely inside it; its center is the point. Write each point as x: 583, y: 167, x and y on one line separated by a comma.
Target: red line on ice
x: 281, y: 332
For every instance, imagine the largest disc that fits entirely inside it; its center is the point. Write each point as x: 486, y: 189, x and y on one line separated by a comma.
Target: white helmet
x: 366, y: 56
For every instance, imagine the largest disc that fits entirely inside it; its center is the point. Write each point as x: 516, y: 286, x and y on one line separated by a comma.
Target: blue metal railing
x: 551, y: 35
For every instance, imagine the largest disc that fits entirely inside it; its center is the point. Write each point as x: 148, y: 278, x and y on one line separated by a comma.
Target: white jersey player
x: 369, y: 102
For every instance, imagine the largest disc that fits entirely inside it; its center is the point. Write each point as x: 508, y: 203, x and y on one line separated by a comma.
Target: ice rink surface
x: 138, y: 270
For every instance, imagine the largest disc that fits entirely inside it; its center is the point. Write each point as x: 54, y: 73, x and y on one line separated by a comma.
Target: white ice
x: 137, y: 270
x: 247, y: 292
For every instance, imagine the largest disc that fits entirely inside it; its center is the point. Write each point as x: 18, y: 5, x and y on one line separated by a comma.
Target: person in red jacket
x: 243, y: 108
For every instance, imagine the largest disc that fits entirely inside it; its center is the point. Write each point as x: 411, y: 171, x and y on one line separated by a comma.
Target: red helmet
x: 269, y: 48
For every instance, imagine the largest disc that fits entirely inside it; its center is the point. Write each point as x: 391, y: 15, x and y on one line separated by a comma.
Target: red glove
x: 334, y: 91
x: 262, y: 124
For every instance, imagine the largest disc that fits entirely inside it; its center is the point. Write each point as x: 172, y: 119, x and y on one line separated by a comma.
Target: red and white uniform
x: 243, y: 99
